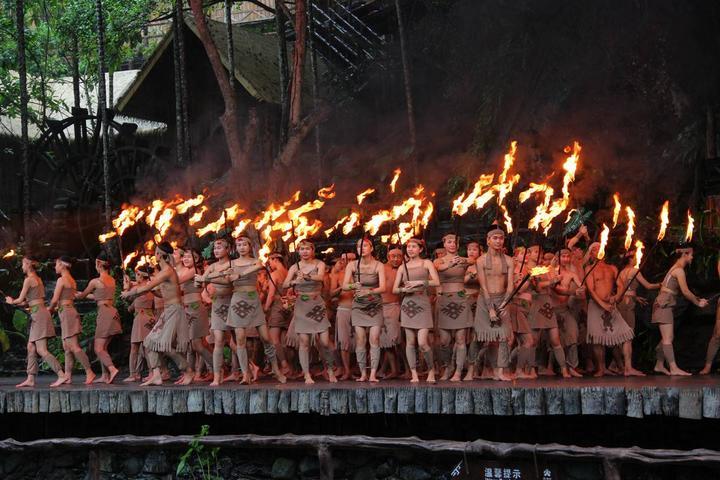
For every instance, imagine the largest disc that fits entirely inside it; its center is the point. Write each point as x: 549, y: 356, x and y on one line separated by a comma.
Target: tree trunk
x: 179, y: 132
x: 183, y: 84
x: 283, y: 71
x: 298, y: 63
x: 297, y: 136
x: 102, y: 109
x: 230, y: 44
x: 408, y: 89
x: 24, y: 144
x: 315, y: 92
x: 230, y: 117
x: 111, y: 89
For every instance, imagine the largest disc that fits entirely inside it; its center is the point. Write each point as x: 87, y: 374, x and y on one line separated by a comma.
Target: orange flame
x: 664, y: 219
x: 351, y: 223
x: 241, y: 226
x: 535, y: 271
x: 197, y: 216
x: 327, y: 192
x: 534, y: 188
x: 393, y: 182
x: 508, y: 220
x: 603, y: 242
x: 128, y: 259
x: 462, y: 203
x: 10, y: 253
x: 616, y: 210
x: 157, y: 206
x: 330, y: 230
x: 690, y: 228
x: 106, y: 236
x: 328, y: 251
x: 294, y: 215
x: 183, y: 207
x: 362, y: 195
x: 427, y: 215
x: 630, y: 227
x: 638, y: 253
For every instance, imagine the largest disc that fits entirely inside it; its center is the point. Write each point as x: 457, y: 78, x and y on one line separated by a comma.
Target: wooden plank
x: 534, y: 401
x: 31, y: 401
x: 361, y: 405
x: 324, y: 402
x: 314, y: 402
x: 670, y: 402
x: 303, y: 401
x: 43, y: 401
x: 375, y: 400
x: 138, y: 401
x: 273, y: 396
x: 123, y: 402
x: 338, y: 401
x: 711, y: 402
x: 634, y: 402
x: 242, y: 401
x: 258, y: 401
x: 690, y: 403
x: 103, y: 401
x: 434, y: 400
x: 294, y: 399
x: 463, y: 401
x: 93, y: 399
x: 651, y: 401
x: 2, y: 402
x: 572, y: 403
x: 554, y: 404
x: 75, y: 401
x: 502, y: 401
x: 64, y: 401
x: 151, y: 397
x: 421, y: 399
x: 482, y: 401
x: 180, y: 401
x: 217, y: 401
x: 517, y: 397
x: 284, y: 401
x: 85, y: 402
x: 592, y: 400
x: 164, y: 403
x: 228, y: 401
x: 390, y: 395
x: 209, y: 402
x: 447, y: 400
x: 406, y: 400
x: 195, y: 401
x: 54, y: 405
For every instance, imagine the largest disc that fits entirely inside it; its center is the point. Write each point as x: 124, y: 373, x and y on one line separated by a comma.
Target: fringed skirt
x: 416, y: 311
x: 390, y: 333
x: 108, y: 322
x: 197, y: 317
x: 219, y: 312
x: 487, y: 330
x: 171, y: 332
x: 142, y: 324
x: 367, y: 311
x: 453, y: 311
x: 70, y: 324
x: 606, y: 328
x: 310, y: 315
x: 245, y: 310
x: 41, y: 324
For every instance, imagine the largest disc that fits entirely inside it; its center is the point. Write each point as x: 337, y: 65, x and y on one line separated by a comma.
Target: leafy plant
x: 199, y: 460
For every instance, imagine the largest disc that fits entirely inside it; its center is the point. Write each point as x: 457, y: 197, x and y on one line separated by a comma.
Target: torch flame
x: 603, y: 242
x: 664, y: 219
x: 362, y: 195
x: 393, y: 182
x: 616, y: 210
x: 327, y: 251
x: 462, y: 203
x: 690, y: 228
x: 508, y: 220
x: 197, y: 216
x: 327, y: 192
x: 183, y: 207
x: 630, y: 227
x: 9, y: 254
x: 128, y: 259
x: 106, y: 236
x: 330, y: 230
x: 351, y: 223
x: 638, y: 253
x: 535, y: 271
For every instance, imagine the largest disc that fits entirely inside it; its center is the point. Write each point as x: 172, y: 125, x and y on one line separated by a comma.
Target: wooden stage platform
x: 689, y: 397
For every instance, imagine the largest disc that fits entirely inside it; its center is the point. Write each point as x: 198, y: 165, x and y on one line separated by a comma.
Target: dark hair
x: 145, y: 269
x: 102, y: 257
x: 165, y: 247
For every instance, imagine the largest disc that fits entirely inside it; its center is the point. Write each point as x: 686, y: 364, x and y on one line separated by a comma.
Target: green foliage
x: 199, y: 460
x: 4, y: 340
x: 20, y: 322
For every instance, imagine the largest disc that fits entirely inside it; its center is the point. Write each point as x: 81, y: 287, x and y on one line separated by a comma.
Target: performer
x: 391, y: 331
x: 626, y: 305
x: 310, y: 315
x: 195, y: 311
x: 343, y: 300
x: 143, y: 321
x: 41, y: 325
x: 170, y: 334
x: 520, y: 307
x: 673, y: 284
x: 107, y: 324
x: 453, y: 309
x: 714, y: 343
x: 569, y: 286
x: 492, y: 324
x: 605, y: 326
x: 221, y: 294
x: 276, y: 307
x: 472, y: 289
x: 366, y: 279
x: 246, y: 310
x: 413, y: 281
x: 70, y: 325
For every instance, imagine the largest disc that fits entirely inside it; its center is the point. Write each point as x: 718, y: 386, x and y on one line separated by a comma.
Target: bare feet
x: 430, y: 376
x: 60, y: 380
x: 546, y: 372
x: 331, y: 376
x: 154, y: 380
x: 705, y: 370
x: 470, y: 374
x: 565, y: 373
x: 255, y: 372
x: 600, y: 372
x: 131, y: 378
x: 187, y: 378
x: 68, y: 379
x: 679, y: 372
x: 113, y: 373
x: 309, y: 380
x: 104, y: 378
x: 414, y: 377
x: 89, y: 377
x: 660, y: 368
x: 246, y: 379
x: 233, y: 377
x: 456, y: 377
x: 362, y: 378
x: 575, y: 373
x: 631, y: 372
x: 28, y: 383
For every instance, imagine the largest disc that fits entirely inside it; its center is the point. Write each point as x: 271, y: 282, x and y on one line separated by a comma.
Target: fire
x: 106, y: 236
x: 638, y: 253
x: 328, y: 251
x: 462, y: 203
x: 157, y: 206
x: 327, y: 192
x: 128, y: 259
x: 630, y: 227
x: 616, y: 210
x: 183, y: 207
x: 233, y: 211
x: 664, y: 219
x: 534, y: 188
x: 241, y: 226
x: 405, y: 232
x: 296, y: 214
x: 427, y: 215
x: 9, y: 254
x: 127, y: 218
x: 393, y: 182
x: 149, y: 245
x: 690, y: 228
x: 603, y: 242
x: 535, y: 271
x: 508, y: 220
x: 330, y: 230
x: 505, y: 186
x: 164, y: 221
x: 362, y: 195
x: 197, y: 216
x: 351, y: 223
x: 273, y: 212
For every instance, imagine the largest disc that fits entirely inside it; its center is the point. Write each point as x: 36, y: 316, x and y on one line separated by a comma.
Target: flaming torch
x: 630, y: 227
x: 534, y: 272
x: 690, y: 228
x: 616, y: 210
x: 393, y: 182
x: 638, y: 253
x: 603, y: 242
x: 664, y: 220
x: 9, y: 254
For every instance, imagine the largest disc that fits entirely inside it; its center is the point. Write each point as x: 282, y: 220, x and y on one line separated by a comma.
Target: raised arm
x: 290, y: 279
x: 92, y: 284
x: 649, y: 286
x: 28, y: 283
x: 679, y: 274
